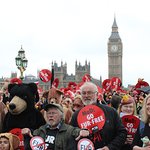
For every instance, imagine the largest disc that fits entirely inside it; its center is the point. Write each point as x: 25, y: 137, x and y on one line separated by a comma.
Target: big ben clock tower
x: 115, y: 53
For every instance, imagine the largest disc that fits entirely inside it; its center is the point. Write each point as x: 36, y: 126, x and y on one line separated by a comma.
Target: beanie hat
x: 127, y: 99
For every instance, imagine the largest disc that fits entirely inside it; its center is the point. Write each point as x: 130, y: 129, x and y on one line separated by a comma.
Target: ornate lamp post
x: 21, y: 62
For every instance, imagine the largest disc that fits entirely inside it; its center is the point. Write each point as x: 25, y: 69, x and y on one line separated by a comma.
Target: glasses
x: 89, y: 93
x: 76, y: 105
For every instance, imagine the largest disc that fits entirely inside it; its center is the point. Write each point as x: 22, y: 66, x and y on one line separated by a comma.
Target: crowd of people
x: 107, y: 119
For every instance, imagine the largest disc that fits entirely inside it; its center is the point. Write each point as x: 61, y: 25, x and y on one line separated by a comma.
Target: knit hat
x: 13, y: 140
x: 127, y: 99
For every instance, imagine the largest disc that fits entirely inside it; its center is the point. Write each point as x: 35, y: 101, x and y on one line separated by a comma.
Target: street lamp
x: 21, y: 62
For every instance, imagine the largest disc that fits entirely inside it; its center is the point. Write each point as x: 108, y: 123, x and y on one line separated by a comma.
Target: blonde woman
x: 142, y: 137
x: 127, y: 107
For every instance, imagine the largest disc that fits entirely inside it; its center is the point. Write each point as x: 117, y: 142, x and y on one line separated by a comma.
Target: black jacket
x: 113, y: 133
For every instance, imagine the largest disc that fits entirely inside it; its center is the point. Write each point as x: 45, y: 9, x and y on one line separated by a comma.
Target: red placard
x: 85, y: 144
x: 115, y: 83
x: 131, y: 124
x: 17, y: 131
x: 106, y: 85
x: 45, y: 75
x: 91, y: 117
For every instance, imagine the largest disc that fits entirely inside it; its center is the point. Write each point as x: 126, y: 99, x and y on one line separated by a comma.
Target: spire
x: 114, y: 24
x: 76, y: 64
x: 114, y: 33
x: 86, y: 62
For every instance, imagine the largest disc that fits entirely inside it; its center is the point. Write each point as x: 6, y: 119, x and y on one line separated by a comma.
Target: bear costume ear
x: 33, y: 87
x: 10, y: 86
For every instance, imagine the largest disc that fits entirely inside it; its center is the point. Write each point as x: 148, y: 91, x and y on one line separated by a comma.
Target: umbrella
x: 145, y: 89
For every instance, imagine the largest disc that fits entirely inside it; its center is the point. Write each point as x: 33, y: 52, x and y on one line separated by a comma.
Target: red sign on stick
x: 91, y: 117
x: 115, y: 83
x: 131, y: 124
x: 45, y: 75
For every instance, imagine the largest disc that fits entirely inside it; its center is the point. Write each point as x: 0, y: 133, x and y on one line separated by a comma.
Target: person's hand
x: 103, y: 148
x: 145, y: 148
x: 83, y: 133
x: 129, y: 140
x: 148, y: 144
x: 26, y: 131
x: 141, y: 148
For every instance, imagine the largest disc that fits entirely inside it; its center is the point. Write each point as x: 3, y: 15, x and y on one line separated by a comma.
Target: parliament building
x: 114, y: 50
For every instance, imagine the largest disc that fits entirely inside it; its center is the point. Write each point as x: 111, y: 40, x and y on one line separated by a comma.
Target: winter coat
x: 65, y: 138
x: 113, y: 133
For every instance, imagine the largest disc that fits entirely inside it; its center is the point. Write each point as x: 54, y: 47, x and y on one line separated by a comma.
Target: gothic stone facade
x: 60, y: 72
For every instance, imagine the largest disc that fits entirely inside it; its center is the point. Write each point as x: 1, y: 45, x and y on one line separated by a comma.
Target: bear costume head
x: 22, y: 97
x: 21, y: 109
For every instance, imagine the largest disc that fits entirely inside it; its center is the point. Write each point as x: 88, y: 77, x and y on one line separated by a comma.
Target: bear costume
x: 21, y: 109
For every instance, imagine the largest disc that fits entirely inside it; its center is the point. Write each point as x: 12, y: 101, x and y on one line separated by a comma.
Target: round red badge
x: 45, y: 75
x: 131, y: 124
x: 85, y: 144
x: 37, y: 143
x: 91, y: 117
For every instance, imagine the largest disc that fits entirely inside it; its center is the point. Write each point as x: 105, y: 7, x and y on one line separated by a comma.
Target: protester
x: 54, y: 95
x: 113, y: 134
x: 115, y: 101
x: 3, y: 111
x: 77, y: 103
x: 5, y: 98
x: 55, y: 132
x: 9, y: 141
x: 67, y: 102
x: 143, y: 132
x: 127, y: 107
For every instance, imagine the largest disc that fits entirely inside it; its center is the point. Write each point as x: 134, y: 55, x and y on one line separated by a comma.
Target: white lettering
x: 50, y: 139
x: 97, y: 120
x: 85, y: 124
x: 90, y: 116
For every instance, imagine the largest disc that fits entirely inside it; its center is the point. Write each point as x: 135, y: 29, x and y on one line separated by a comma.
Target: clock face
x: 114, y: 48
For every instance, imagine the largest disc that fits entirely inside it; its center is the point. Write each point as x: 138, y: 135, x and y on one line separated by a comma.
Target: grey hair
x: 61, y: 113
x: 89, y: 84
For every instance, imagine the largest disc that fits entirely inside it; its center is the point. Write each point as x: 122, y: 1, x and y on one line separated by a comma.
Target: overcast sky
x: 70, y: 30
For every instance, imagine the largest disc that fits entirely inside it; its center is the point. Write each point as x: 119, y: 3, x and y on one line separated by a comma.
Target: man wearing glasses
x: 112, y: 135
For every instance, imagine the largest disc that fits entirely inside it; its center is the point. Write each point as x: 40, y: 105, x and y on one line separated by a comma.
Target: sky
x: 75, y: 30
